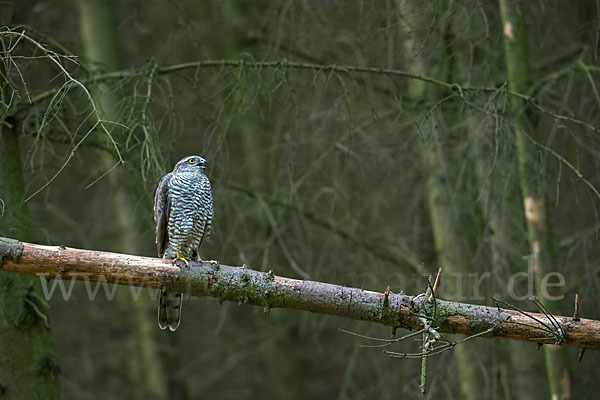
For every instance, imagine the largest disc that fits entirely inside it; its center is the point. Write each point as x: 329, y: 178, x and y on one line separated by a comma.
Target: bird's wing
x: 209, y: 214
x: 206, y: 227
x: 162, y: 206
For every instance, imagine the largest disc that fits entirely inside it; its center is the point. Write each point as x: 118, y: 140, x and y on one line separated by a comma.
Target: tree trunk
x: 517, y: 65
x: 98, y: 25
x: 501, y: 204
x: 449, y: 241
x: 28, y: 365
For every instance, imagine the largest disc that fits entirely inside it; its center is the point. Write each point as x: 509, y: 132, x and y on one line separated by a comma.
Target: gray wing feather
x: 206, y: 228
x: 162, y: 206
x: 209, y: 214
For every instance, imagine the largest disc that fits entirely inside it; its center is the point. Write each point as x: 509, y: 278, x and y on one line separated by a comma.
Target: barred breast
x: 191, y: 212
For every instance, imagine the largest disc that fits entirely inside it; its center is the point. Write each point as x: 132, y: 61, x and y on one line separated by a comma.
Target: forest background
x: 358, y: 143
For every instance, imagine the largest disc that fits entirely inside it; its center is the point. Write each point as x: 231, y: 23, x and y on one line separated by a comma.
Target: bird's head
x: 190, y: 163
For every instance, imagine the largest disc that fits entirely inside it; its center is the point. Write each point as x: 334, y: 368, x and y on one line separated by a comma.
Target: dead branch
x: 265, y: 289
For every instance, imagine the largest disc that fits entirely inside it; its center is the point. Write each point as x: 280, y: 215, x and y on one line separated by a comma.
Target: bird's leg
x: 179, y: 257
x: 204, y: 261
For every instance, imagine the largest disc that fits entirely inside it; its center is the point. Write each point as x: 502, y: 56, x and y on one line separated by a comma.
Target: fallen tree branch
x: 267, y: 290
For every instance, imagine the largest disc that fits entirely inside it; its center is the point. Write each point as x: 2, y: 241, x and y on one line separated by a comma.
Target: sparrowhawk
x: 183, y: 212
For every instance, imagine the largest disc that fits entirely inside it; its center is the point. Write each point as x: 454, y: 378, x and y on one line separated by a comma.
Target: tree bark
x: 243, y: 285
x: 28, y: 365
x: 531, y: 176
x: 98, y: 31
x: 451, y: 247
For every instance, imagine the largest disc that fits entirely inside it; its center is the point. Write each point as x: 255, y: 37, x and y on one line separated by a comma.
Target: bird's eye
x: 192, y: 161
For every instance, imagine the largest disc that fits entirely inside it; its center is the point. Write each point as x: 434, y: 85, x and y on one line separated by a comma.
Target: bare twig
x: 436, y: 285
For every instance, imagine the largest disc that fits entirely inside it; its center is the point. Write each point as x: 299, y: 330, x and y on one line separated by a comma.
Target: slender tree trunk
x: 98, y: 25
x: 28, y: 364
x: 291, y: 380
x: 452, y: 256
x: 499, y: 201
x: 449, y: 242
x: 517, y: 65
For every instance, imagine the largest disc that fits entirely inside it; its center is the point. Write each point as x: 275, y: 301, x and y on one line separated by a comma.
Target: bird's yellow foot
x: 179, y: 257
x: 200, y: 260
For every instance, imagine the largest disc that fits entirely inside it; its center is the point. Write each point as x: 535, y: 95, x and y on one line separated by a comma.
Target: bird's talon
x: 178, y: 257
x: 200, y: 260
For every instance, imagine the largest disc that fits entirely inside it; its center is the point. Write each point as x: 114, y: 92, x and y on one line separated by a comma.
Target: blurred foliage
x: 316, y: 174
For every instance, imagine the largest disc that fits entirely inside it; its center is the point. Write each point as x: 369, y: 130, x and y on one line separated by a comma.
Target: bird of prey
x: 183, y: 212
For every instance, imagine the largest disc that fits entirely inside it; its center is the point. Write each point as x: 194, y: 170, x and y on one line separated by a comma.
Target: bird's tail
x: 169, y: 310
